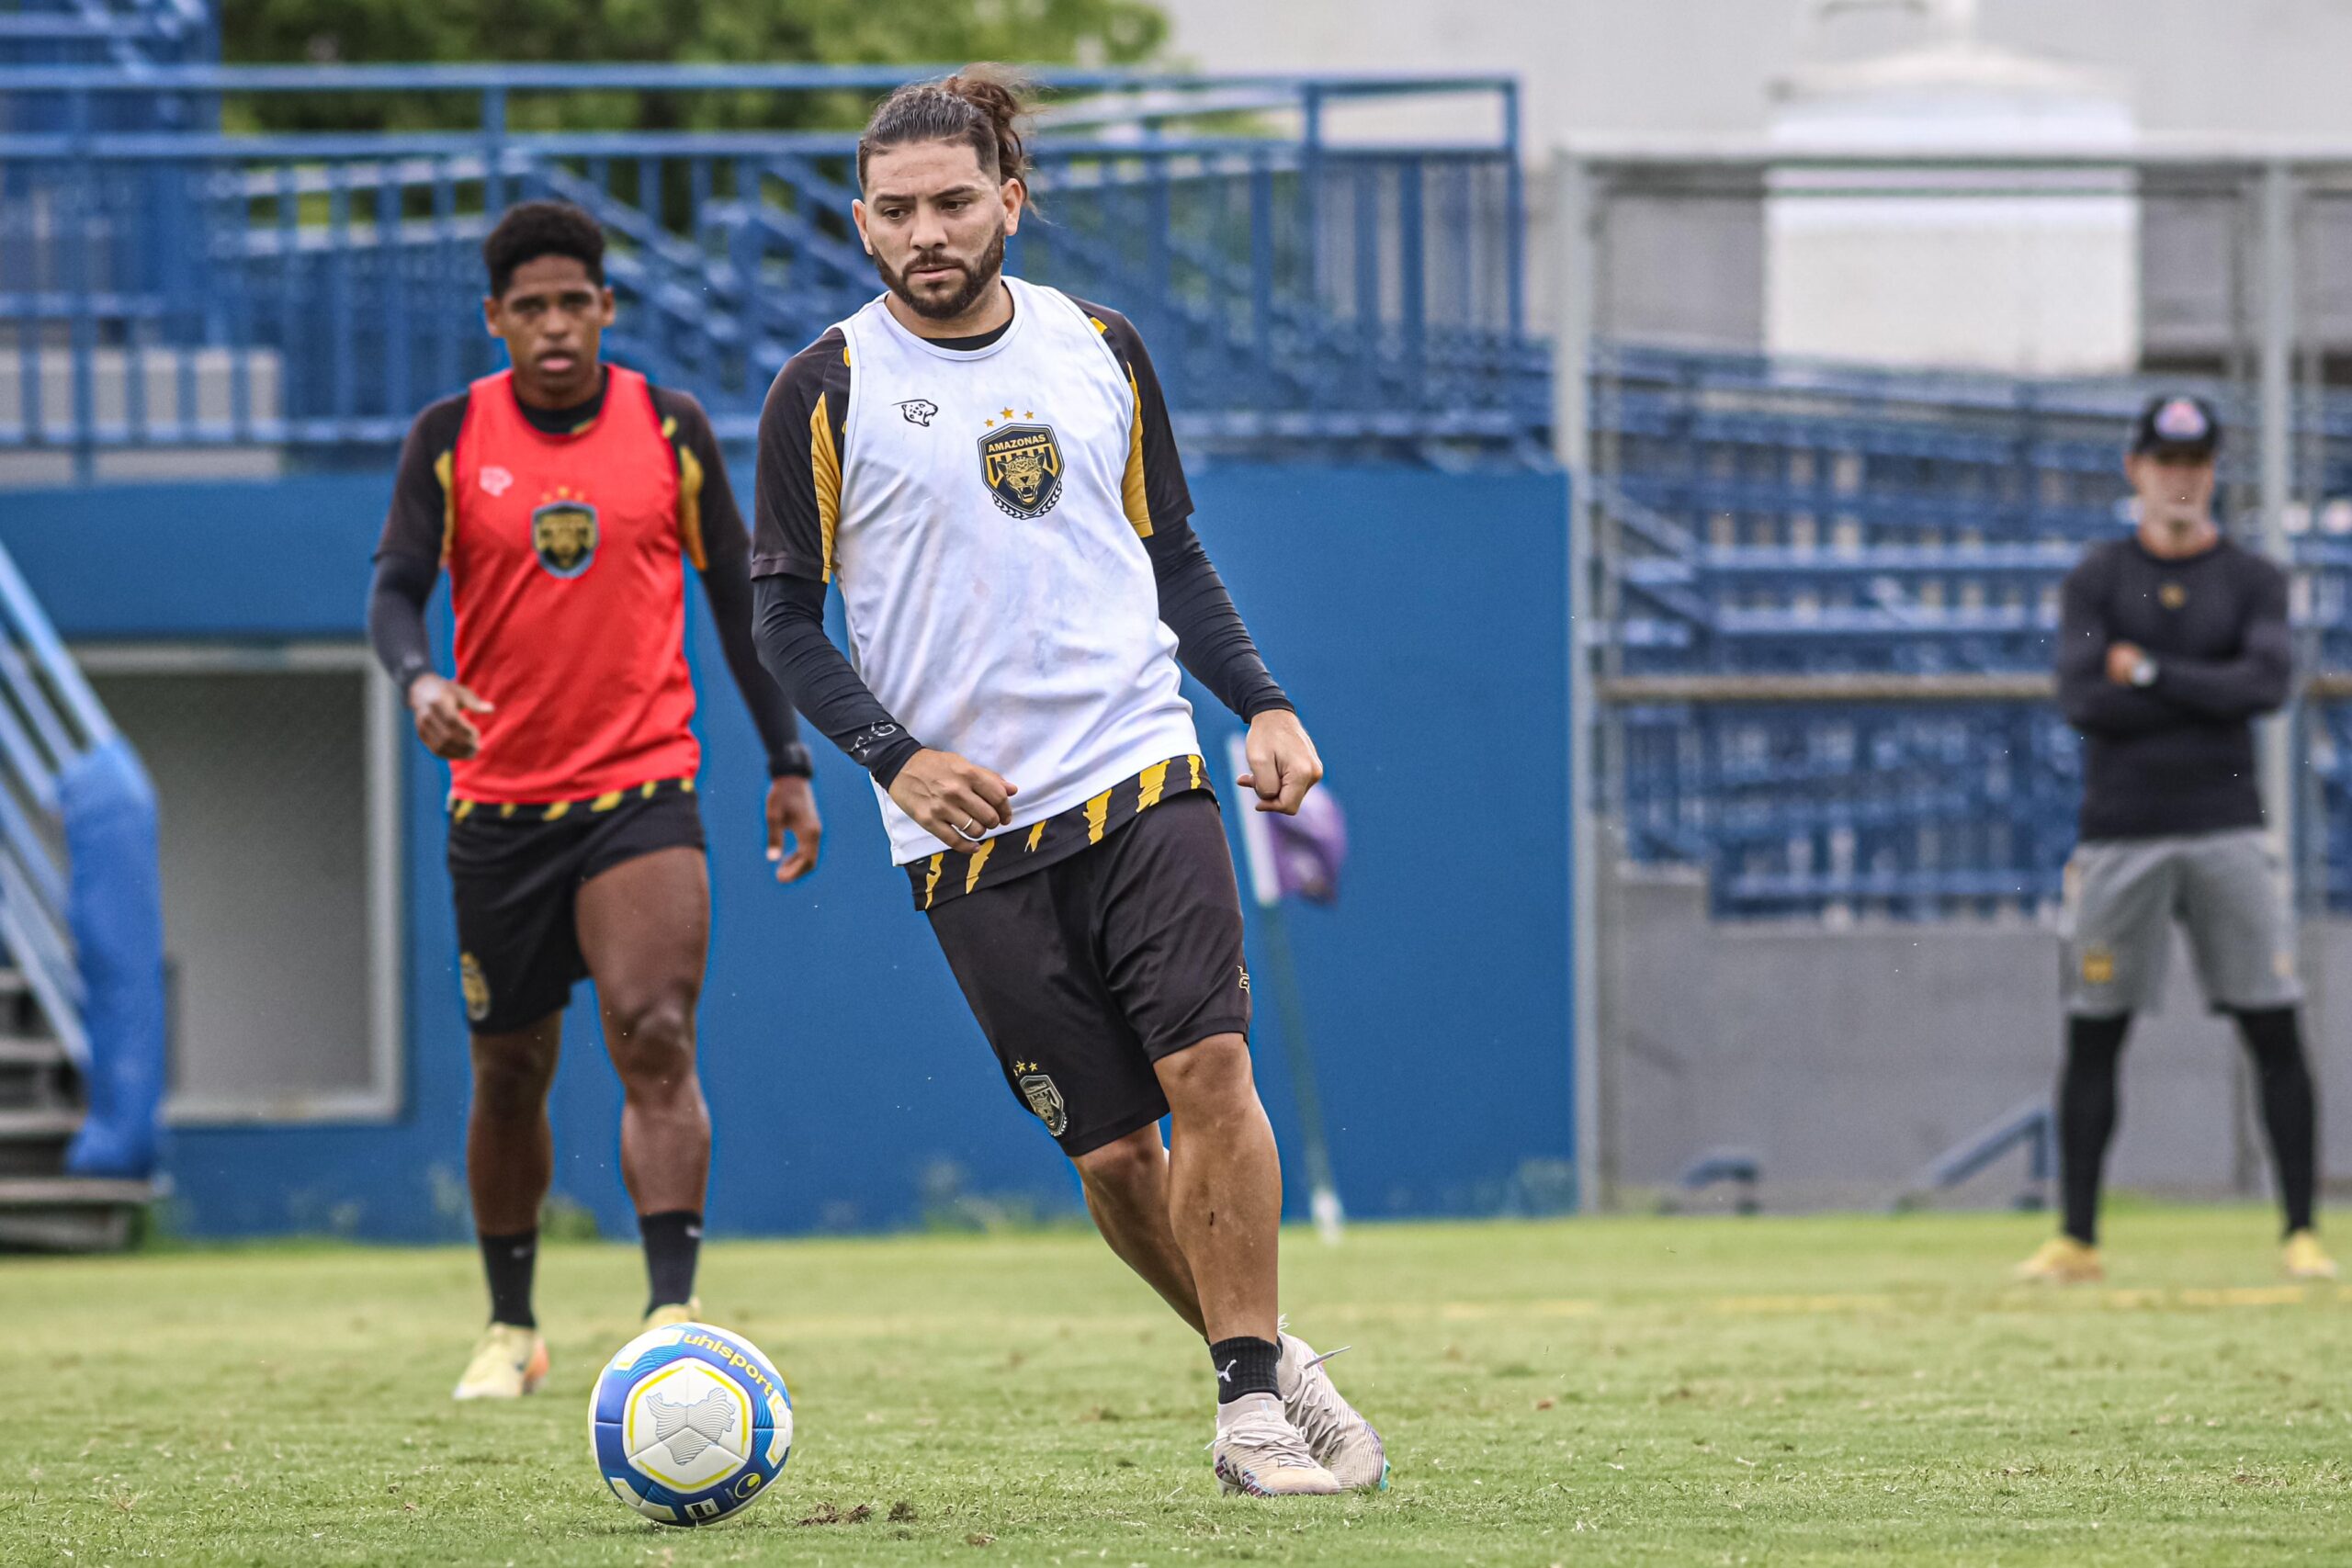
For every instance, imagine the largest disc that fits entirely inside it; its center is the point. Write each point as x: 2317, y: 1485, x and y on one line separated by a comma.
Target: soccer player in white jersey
x: 986, y: 468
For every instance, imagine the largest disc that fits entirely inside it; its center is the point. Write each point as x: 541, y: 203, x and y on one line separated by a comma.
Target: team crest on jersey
x: 563, y: 533
x: 1023, y: 465
x: 1046, y: 1100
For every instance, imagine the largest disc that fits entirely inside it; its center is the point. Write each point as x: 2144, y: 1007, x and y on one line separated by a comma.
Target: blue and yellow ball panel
x: 689, y: 1424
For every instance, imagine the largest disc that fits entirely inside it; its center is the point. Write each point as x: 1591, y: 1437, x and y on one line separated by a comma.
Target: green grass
x: 1773, y: 1391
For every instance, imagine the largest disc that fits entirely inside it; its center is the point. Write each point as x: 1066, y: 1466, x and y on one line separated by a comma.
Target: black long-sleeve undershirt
x: 727, y: 583
x: 788, y: 623
x: 1211, y: 641
x: 396, y: 600
x: 2176, y: 756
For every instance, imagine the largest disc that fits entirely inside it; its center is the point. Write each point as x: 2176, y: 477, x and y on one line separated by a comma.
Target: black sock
x: 1244, y: 1366
x: 2275, y: 1042
x: 508, y: 1260
x: 2086, y: 1115
x: 672, y: 1244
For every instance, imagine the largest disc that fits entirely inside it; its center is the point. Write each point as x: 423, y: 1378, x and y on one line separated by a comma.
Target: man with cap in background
x: 2172, y: 641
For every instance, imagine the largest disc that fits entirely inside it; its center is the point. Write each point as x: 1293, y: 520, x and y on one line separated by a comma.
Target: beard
x: 978, y: 278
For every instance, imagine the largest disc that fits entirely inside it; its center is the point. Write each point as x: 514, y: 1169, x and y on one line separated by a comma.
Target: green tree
x: 1081, y: 32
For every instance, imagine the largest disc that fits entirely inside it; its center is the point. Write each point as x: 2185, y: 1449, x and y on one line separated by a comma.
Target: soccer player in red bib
x: 567, y: 497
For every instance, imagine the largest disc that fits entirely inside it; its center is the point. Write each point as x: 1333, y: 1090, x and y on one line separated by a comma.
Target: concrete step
x: 71, y: 1214
x: 34, y: 1075
x: 31, y: 1051
x: 33, y: 1139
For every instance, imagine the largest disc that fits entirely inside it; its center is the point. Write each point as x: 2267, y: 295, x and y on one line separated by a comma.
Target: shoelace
x: 1320, y: 1420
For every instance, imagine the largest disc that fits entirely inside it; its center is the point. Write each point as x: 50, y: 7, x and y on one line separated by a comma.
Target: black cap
x: 2177, y: 426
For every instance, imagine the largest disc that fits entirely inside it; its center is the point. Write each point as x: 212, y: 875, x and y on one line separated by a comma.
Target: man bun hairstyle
x: 980, y: 105
x: 534, y: 229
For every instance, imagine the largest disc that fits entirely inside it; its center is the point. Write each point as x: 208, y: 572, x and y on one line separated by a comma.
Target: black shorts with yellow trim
x: 1085, y: 973
x: 1017, y: 852
x: 516, y: 872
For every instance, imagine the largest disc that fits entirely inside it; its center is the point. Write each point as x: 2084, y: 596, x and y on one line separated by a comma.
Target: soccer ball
x: 690, y: 1423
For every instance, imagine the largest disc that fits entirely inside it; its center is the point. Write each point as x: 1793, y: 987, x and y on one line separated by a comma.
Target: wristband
x: 790, y: 761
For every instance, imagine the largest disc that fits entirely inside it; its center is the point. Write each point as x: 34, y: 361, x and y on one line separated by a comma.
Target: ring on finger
x: 965, y: 828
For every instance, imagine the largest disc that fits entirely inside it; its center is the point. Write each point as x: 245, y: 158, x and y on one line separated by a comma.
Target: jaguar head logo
x: 1022, y: 467
x: 563, y: 534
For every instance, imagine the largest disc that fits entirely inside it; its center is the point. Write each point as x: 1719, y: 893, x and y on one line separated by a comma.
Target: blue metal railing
x: 50, y: 723
x: 1770, y: 525
x: 311, y: 291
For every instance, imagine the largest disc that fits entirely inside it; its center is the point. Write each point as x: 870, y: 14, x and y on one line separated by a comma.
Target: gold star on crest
x: 1008, y: 414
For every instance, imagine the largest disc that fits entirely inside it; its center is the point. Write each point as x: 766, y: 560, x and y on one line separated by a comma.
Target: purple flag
x: 1290, y: 857
x: 1310, y: 848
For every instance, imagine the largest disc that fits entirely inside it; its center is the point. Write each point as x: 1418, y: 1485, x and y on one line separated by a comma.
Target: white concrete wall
x: 2270, y: 68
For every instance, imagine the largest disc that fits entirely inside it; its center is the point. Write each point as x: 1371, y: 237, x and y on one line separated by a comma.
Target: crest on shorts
x: 1046, y: 1100
x: 2172, y: 595
x: 2098, y: 966
x: 563, y: 534
x: 475, y: 986
x: 1023, y: 465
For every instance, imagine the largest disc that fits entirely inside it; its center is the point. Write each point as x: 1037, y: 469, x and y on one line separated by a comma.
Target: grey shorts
x: 2225, y: 889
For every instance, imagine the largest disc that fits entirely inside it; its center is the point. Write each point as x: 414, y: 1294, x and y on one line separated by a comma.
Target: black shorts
x: 515, y: 876
x: 1084, y: 973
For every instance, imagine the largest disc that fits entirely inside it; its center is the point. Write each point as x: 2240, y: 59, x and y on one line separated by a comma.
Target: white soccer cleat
x: 1342, y: 1440
x: 1259, y: 1452
x: 508, y: 1363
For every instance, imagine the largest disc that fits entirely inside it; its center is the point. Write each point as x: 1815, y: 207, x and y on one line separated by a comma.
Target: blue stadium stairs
x: 51, y: 728
x: 1835, y: 599
x: 43, y: 1205
x: 168, y: 287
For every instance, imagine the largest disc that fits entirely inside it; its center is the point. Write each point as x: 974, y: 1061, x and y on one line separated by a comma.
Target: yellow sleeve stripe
x: 689, y: 496
x: 1138, y: 502
x: 825, y: 467
x: 1100, y: 325
x: 445, y: 469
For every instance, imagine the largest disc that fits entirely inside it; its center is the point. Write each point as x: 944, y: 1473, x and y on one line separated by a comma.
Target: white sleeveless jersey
x: 1000, y: 603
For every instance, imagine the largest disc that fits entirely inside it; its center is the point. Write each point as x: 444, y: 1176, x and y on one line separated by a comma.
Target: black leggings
x: 2088, y: 1105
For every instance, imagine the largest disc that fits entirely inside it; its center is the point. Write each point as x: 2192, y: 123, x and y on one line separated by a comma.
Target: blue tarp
x: 115, y: 905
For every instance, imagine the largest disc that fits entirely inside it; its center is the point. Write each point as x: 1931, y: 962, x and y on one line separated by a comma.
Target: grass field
x: 1772, y: 1390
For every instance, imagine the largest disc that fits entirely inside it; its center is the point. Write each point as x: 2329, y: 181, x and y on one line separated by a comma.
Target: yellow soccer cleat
x: 2304, y: 1258
x: 508, y: 1363
x: 674, y: 1313
x: 2062, y: 1261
